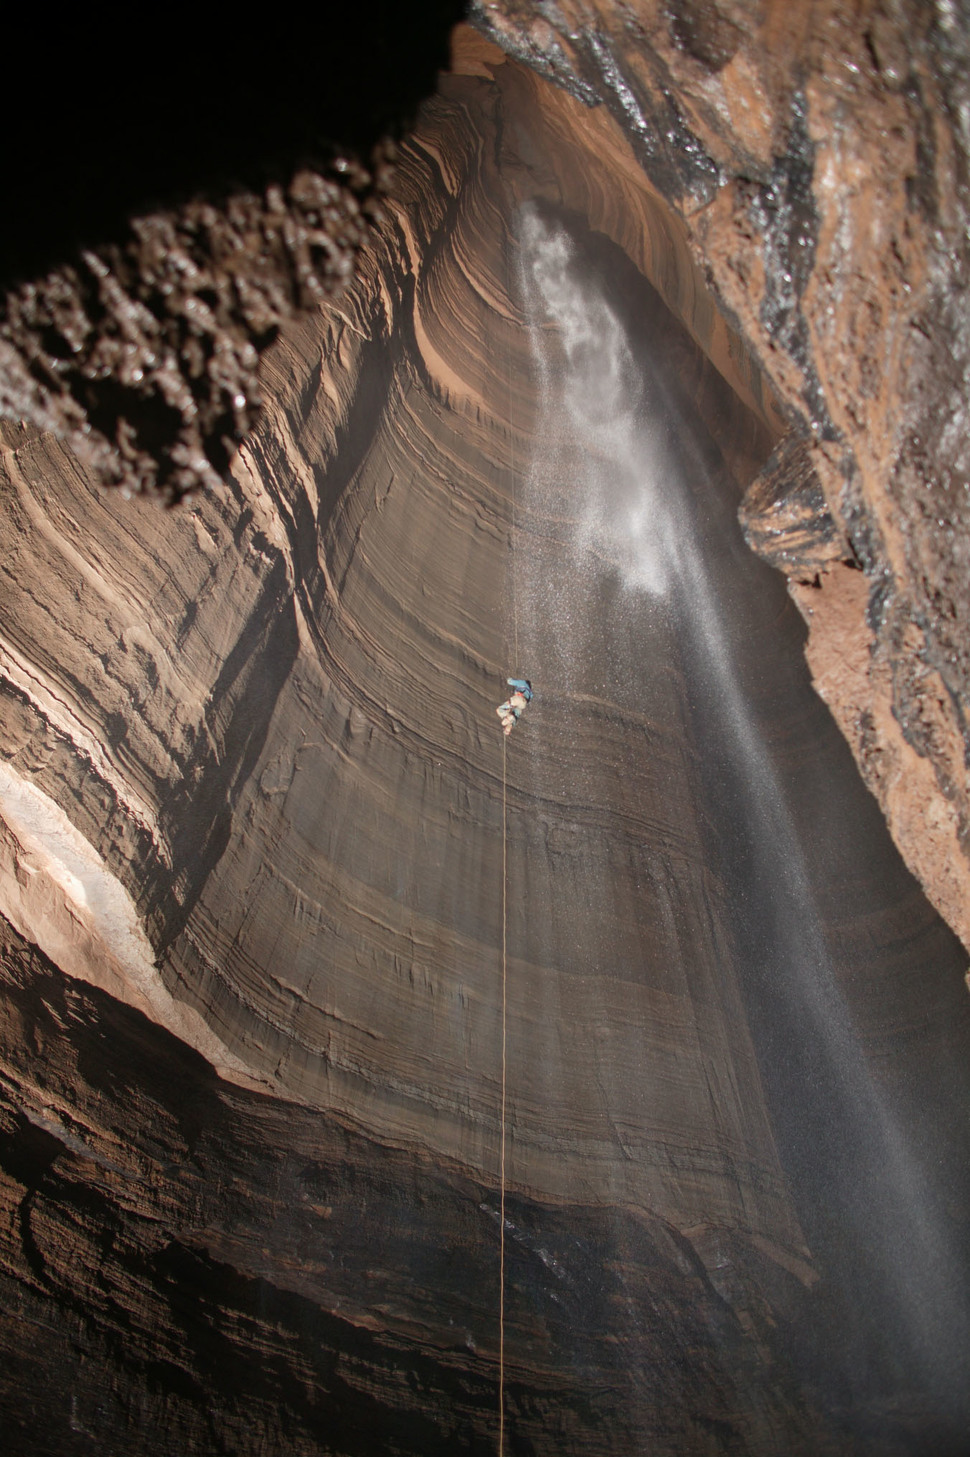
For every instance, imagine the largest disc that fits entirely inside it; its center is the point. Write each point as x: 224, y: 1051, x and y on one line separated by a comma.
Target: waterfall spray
x: 615, y: 472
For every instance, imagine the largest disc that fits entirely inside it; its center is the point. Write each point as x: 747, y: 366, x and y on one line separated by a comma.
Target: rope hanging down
x: 512, y: 583
x: 501, y: 1286
x: 505, y: 886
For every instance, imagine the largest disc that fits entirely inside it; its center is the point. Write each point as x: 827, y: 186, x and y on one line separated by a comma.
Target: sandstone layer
x: 817, y: 158
x: 261, y: 845
x: 256, y: 808
x: 816, y: 167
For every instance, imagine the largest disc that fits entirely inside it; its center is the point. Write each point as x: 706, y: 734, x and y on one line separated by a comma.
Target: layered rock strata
x: 321, y: 836
x: 818, y: 163
x: 193, y: 1267
x: 254, y: 787
x: 817, y: 172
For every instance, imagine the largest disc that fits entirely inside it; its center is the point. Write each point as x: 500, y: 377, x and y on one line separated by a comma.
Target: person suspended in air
x: 510, y: 711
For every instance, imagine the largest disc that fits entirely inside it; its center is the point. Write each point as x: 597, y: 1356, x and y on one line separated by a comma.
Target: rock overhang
x: 315, y: 688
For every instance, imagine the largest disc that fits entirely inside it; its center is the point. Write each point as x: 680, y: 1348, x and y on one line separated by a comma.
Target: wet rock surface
x: 785, y: 517
x: 244, y: 1273
x: 820, y: 167
x: 820, y: 161
x: 269, y: 718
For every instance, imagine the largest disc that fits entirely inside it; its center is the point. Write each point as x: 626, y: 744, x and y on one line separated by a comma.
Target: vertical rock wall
x: 270, y: 720
x: 817, y: 160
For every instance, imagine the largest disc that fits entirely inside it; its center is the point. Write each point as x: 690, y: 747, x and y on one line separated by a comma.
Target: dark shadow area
x: 201, y: 1265
x: 110, y: 120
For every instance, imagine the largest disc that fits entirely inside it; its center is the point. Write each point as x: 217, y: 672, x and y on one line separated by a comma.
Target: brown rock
x: 813, y: 159
x: 785, y: 518
x: 257, y: 737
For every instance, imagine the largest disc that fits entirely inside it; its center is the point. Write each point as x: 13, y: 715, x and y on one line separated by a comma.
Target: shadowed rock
x: 737, y: 1032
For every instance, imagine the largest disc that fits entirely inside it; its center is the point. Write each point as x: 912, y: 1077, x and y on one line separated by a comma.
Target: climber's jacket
x: 510, y: 711
x: 523, y: 685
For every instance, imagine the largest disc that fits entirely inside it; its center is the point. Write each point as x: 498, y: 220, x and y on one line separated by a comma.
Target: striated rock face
x: 816, y: 172
x: 248, y: 1274
x: 818, y: 161
x: 255, y: 804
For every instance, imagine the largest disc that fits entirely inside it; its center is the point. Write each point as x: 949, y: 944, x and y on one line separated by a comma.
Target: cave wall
x: 812, y: 166
x: 817, y: 159
x: 322, y: 887
x: 192, y: 1266
x: 270, y: 716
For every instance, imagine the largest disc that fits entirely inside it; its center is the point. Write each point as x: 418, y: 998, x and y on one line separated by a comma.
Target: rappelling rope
x: 501, y: 1280
x: 508, y: 346
x: 505, y: 892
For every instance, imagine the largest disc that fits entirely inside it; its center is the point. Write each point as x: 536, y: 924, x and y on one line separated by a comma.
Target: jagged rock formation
x: 170, y: 219
x: 253, y: 788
